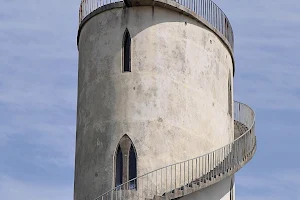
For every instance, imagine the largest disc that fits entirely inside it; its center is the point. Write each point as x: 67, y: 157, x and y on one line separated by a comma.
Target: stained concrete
x: 173, y: 105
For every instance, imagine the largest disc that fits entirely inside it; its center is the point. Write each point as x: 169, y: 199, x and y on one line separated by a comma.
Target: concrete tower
x: 155, y: 116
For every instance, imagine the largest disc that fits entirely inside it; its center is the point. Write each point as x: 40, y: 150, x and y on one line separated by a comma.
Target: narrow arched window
x: 126, y: 52
x: 229, y: 95
x: 119, y: 167
x: 132, y: 167
x: 126, y: 164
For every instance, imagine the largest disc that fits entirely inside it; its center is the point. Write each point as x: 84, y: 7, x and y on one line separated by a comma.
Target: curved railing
x: 207, y: 9
x: 196, y: 173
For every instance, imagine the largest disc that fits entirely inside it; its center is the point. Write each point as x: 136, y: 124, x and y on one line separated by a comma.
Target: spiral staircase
x: 180, y: 179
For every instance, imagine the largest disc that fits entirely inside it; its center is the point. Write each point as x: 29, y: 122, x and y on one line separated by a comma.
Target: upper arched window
x: 126, y: 154
x: 126, y: 52
x: 229, y: 94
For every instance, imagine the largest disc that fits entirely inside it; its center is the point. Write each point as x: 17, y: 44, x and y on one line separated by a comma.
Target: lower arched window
x: 119, y: 167
x: 126, y: 164
x: 132, y: 167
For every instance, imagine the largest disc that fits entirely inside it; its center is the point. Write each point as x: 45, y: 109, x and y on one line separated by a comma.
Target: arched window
x: 126, y: 52
x: 126, y: 164
x: 132, y: 167
x: 229, y: 95
x: 119, y: 167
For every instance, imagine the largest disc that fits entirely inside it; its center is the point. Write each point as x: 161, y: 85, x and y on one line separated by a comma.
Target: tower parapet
x: 205, y: 11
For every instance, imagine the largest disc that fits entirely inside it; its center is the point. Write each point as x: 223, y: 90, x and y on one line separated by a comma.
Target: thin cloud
x: 281, y: 184
x: 38, y: 83
x: 266, y: 52
x: 11, y: 188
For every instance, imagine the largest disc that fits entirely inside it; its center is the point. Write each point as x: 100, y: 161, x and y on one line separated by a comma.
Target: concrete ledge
x: 169, y: 4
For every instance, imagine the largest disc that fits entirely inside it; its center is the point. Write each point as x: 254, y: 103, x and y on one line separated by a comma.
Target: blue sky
x: 38, y: 93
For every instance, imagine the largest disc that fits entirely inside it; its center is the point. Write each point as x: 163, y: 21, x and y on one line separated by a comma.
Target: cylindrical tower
x: 154, y: 88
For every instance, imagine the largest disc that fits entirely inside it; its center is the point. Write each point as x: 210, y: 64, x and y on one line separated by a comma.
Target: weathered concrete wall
x: 218, y: 191
x: 173, y: 105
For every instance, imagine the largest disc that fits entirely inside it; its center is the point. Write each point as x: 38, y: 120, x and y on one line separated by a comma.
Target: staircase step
x: 203, y: 180
x: 177, y: 193
x: 187, y: 190
x: 159, y: 198
x: 169, y: 195
x: 211, y: 177
x: 195, y: 186
x: 197, y: 182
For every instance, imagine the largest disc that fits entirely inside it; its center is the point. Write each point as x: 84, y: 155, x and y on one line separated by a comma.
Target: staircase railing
x: 207, y: 9
x: 204, y: 170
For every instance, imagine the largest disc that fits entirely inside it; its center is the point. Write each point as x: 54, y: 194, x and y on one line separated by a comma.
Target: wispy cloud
x: 266, y: 52
x: 38, y: 82
x: 267, y: 78
x: 281, y: 184
x: 11, y: 189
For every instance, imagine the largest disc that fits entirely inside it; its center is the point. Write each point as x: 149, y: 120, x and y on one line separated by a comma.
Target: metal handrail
x: 218, y: 163
x: 207, y: 9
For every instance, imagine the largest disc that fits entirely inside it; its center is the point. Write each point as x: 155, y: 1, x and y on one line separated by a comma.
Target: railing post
x: 156, y: 184
x: 196, y: 169
x: 171, y: 179
x: 180, y: 173
x: 188, y: 171
x: 161, y: 183
x: 175, y: 177
x: 192, y: 170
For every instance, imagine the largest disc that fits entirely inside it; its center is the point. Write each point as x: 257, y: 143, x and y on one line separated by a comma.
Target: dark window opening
x: 229, y: 95
x: 132, y: 167
x: 127, y: 52
x: 119, y: 167
x: 125, y: 167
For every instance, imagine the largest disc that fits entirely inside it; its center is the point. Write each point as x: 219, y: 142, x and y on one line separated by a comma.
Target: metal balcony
x: 206, y: 9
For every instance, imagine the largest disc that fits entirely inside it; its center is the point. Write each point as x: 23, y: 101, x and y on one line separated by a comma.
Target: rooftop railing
x: 206, y: 9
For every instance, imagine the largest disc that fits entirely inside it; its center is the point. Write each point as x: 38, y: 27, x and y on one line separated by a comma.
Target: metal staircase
x: 180, y: 179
